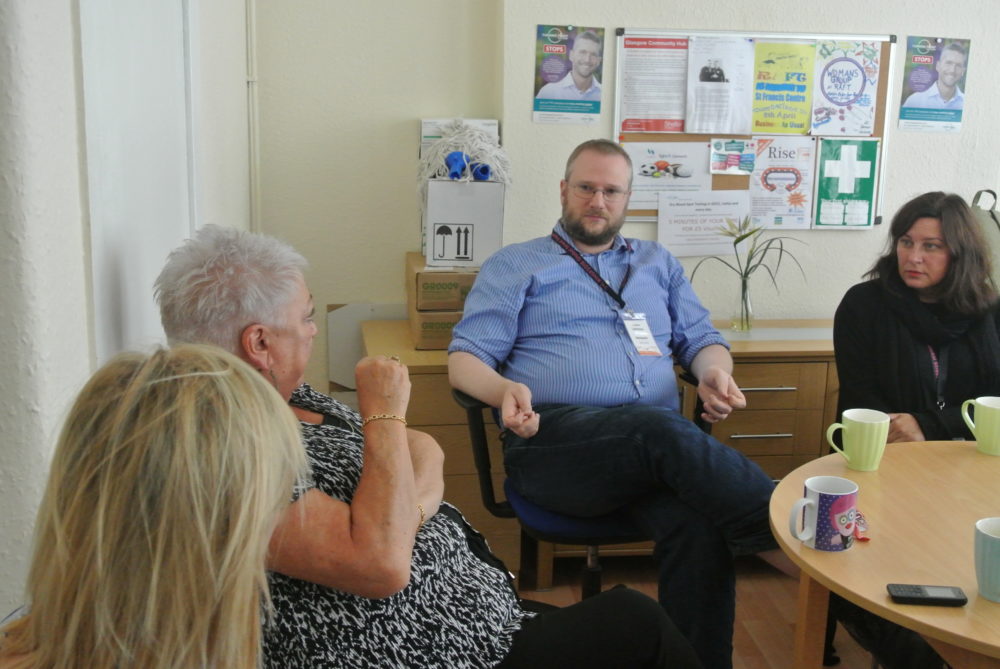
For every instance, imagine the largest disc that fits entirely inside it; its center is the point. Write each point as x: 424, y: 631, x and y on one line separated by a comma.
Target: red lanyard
x: 592, y: 273
x: 940, y: 372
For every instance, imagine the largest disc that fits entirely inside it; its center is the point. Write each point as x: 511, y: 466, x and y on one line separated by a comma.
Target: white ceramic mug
x: 829, y: 510
x: 988, y: 558
x: 986, y: 427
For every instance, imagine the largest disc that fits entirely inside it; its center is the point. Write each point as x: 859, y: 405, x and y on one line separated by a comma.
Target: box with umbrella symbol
x: 464, y: 222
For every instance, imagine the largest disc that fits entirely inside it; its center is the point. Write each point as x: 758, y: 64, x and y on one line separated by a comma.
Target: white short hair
x: 223, y: 280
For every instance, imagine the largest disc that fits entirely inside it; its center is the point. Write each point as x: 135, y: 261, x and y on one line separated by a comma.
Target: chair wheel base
x: 591, y: 581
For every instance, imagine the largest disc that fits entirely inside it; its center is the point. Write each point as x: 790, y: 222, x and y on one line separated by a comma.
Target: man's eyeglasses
x: 586, y: 192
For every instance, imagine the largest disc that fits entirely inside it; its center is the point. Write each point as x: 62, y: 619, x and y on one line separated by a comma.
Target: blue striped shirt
x: 536, y: 317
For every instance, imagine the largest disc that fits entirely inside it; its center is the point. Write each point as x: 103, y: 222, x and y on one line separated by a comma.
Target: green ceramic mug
x: 987, y: 426
x: 864, y: 435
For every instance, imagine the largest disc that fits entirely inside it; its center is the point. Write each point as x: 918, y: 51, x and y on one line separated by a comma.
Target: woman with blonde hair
x: 168, y: 478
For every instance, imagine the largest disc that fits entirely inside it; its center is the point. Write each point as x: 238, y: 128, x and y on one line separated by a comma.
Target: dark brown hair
x: 967, y: 287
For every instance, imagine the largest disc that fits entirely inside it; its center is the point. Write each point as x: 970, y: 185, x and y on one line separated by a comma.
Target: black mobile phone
x: 931, y: 595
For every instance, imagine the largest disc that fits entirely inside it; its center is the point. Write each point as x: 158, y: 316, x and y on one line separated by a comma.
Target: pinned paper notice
x: 733, y: 156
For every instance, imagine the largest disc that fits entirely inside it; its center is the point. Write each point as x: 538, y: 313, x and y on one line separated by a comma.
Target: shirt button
x: 637, y: 382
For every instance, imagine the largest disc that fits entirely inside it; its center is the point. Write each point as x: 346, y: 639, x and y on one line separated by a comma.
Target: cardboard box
x: 431, y: 330
x: 430, y: 129
x: 430, y: 132
x: 463, y: 225
x: 436, y: 288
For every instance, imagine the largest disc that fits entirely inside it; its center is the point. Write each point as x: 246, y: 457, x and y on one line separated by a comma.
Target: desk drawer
x: 431, y: 402
x: 782, y: 385
x: 772, y: 432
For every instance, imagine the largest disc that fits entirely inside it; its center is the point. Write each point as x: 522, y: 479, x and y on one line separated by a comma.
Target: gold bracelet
x: 420, y: 508
x: 383, y: 416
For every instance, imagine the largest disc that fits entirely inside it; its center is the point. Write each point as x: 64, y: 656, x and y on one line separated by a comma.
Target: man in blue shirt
x: 944, y: 93
x: 580, y: 82
x: 573, y: 337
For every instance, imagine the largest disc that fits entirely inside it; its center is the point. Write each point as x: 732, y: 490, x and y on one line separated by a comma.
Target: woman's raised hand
x: 383, y: 386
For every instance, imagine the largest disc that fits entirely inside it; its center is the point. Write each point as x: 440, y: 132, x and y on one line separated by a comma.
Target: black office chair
x: 538, y: 524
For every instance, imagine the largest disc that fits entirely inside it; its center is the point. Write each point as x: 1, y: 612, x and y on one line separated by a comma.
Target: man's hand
x: 516, y: 412
x: 719, y: 394
x: 471, y: 375
x: 904, y: 427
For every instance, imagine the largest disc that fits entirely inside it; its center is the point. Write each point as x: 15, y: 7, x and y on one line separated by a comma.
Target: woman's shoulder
x: 871, y: 289
x: 306, y: 397
x: 861, y: 296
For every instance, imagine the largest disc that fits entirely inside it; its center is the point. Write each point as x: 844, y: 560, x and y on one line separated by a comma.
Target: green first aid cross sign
x: 847, y: 173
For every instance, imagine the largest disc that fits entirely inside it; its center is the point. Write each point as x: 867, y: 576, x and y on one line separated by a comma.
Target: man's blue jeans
x: 701, y: 501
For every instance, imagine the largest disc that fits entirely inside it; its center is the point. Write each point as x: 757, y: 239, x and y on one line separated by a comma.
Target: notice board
x: 749, y: 98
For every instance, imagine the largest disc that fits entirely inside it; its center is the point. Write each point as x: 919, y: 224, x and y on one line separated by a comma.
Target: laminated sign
x: 845, y: 193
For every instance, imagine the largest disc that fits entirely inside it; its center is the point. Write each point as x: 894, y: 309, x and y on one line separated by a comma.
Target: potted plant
x: 752, y: 252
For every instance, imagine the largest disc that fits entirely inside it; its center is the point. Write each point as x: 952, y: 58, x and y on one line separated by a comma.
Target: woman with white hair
x: 166, y: 483
x: 369, y: 566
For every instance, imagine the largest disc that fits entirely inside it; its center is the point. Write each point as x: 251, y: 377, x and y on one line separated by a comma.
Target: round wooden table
x: 921, y: 507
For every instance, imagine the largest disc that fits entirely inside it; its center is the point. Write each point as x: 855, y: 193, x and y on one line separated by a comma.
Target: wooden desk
x: 785, y: 368
x: 787, y: 372
x: 921, y: 507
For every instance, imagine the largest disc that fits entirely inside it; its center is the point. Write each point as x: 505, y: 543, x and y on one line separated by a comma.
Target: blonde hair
x: 166, y: 484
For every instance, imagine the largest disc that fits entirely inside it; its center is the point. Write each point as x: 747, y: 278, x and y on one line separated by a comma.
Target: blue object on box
x: 456, y: 162
x: 481, y: 171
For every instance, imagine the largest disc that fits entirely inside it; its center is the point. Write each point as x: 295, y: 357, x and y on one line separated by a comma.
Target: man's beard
x: 577, y: 232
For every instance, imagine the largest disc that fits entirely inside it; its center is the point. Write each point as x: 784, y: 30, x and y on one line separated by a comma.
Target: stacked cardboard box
x: 434, y: 298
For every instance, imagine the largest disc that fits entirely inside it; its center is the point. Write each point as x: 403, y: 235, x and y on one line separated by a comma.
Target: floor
x: 765, y: 608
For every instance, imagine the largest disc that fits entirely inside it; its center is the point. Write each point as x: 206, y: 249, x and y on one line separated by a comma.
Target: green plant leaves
x: 762, y: 253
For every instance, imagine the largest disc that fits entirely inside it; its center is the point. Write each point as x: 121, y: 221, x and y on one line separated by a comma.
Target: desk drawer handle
x: 778, y: 390
x: 773, y: 435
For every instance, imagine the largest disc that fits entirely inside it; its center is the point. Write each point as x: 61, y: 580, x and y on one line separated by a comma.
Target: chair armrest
x: 699, y: 406
x: 481, y: 453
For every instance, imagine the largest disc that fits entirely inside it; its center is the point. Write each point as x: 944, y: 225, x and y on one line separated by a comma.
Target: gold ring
x: 394, y: 357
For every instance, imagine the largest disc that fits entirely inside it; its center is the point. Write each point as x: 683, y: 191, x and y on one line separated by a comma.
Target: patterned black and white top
x: 457, y: 611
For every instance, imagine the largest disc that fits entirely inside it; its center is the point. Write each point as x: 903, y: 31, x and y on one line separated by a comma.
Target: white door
x: 136, y: 87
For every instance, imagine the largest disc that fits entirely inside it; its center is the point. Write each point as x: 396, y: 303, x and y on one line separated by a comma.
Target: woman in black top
x: 921, y: 336
x: 916, y: 340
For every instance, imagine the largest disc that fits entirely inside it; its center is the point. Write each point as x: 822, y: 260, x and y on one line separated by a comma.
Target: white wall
x: 139, y: 171
x: 219, y: 120
x: 46, y: 329
x: 343, y: 85
x: 833, y: 260
x: 44, y: 341
x: 166, y: 144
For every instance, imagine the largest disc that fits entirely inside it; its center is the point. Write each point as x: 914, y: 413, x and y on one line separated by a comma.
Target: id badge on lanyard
x: 638, y: 331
